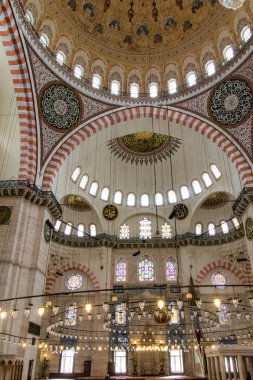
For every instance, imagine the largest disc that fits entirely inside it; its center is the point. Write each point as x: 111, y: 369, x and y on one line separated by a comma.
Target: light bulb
x: 235, y: 301
x: 141, y: 305
x: 27, y: 311
x: 217, y: 302
x: 161, y: 304
x: 41, y: 311
x: 106, y: 306
x: 14, y: 313
x: 3, y: 314
x: 88, y: 307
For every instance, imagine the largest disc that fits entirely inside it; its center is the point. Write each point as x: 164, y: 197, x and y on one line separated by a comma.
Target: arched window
x: 184, y: 191
x: 166, y: 231
x: 115, y: 87
x: 153, y: 90
x: 60, y: 57
x: 121, y: 269
x: 78, y: 71
x: 124, y: 232
x: 216, y: 172
x: 144, y: 200
x: 191, y: 79
x: 131, y: 199
x: 228, y: 53
x: 68, y: 228
x: 84, y: 181
x: 93, y: 189
x: 172, y: 197
x: 67, y: 360
x: 235, y: 222
x: 76, y: 174
x: 146, y: 269
x: 105, y: 193
x: 224, y: 227
x: 117, y: 197
x: 93, y: 230
x: 246, y: 33
x: 44, y: 40
x: 171, y: 269
x: 158, y: 199
x: 145, y: 229
x: 80, y: 230
x: 196, y: 187
x: 134, y: 90
x: 210, y: 68
x: 29, y: 17
x: 70, y: 315
x: 172, y: 86
x: 96, y: 81
x: 57, y: 225
x: 211, y: 229
x: 198, y: 229
x: 207, y: 179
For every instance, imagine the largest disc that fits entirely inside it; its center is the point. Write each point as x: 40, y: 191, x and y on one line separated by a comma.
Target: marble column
x: 242, y: 367
x: 217, y: 368
x: 222, y: 367
x: 229, y: 368
x: 235, y: 368
x: 213, y: 368
x: 209, y: 370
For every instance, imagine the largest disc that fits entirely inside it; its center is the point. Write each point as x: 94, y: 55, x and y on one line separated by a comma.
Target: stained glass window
x: 171, y: 269
x: 120, y: 313
x: 224, y: 316
x: 74, y: 281
x: 146, y: 269
x: 166, y: 231
x: 121, y: 269
x: 124, y: 232
x: 70, y: 315
x: 219, y: 279
x: 145, y: 229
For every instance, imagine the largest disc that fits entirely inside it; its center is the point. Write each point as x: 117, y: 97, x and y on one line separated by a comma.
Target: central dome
x: 141, y: 26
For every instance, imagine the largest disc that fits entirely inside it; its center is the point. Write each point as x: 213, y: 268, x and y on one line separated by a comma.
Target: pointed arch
x: 52, y: 277
x: 216, y: 136
x: 20, y: 76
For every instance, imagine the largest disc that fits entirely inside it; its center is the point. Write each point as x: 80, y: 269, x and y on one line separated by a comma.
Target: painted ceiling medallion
x: 60, y: 107
x: 144, y: 147
x: 76, y: 202
x: 231, y: 102
x: 215, y: 200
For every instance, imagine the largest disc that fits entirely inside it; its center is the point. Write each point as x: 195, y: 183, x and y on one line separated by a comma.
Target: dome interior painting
x: 126, y: 189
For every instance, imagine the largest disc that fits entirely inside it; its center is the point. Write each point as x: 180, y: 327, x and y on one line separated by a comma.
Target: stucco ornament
x: 60, y: 107
x: 231, y: 102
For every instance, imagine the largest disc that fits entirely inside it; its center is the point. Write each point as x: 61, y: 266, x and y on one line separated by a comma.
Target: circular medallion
x: 231, y: 102
x: 110, y: 212
x: 249, y: 228
x: 74, y: 281
x: 5, y: 214
x: 47, y: 232
x: 60, y: 107
x: 181, y: 211
x: 219, y: 279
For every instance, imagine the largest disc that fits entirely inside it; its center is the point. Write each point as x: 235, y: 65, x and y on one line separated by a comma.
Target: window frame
x: 127, y: 202
x: 114, y: 195
x: 86, y: 183
x: 77, y: 66
x: 224, y: 223
x: 147, y: 197
x: 209, y: 73
x: 206, y: 183
x: 246, y: 29
x: 211, y: 227
x: 213, y: 168
x: 29, y: 17
x: 181, y: 195
x: 153, y: 268
x: 134, y: 94
x: 170, y: 191
x: 80, y: 233
x: 155, y: 199
x: 46, y: 39
x: 91, y: 192
x: 193, y: 187
x: 92, y: 225
x: 62, y: 61
x: 118, y: 261
x: 99, y: 79
x: 105, y: 199
x: 153, y: 93
x: 188, y: 76
x: 74, y: 177
x: 225, y: 53
x: 201, y: 229
x: 168, y: 260
x: 170, y: 81
x: 113, y: 92
x: 68, y: 226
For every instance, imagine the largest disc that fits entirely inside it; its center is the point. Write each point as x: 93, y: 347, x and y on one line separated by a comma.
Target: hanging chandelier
x: 232, y: 4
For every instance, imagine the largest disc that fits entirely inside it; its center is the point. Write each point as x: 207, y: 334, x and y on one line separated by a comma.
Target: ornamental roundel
x: 231, y: 103
x: 74, y: 281
x: 60, y: 106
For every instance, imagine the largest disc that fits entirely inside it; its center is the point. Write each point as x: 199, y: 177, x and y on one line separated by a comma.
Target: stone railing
x: 244, y: 199
x: 32, y: 193
x: 156, y: 242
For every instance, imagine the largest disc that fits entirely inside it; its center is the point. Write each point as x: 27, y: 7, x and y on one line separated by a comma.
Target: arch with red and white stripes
x: 20, y: 76
x: 52, y: 277
x: 216, y: 136
x: 243, y: 274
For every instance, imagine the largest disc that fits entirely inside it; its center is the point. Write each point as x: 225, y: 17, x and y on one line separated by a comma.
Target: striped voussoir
x: 52, y: 277
x: 243, y: 274
x: 18, y: 67
x: 242, y: 166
